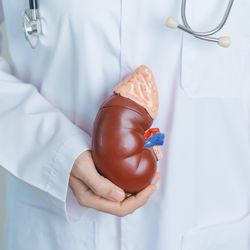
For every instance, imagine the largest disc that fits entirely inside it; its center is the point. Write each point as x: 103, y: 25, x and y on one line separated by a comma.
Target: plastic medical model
x: 125, y: 150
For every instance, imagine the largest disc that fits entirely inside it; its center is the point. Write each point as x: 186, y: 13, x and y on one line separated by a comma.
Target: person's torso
x: 86, y: 48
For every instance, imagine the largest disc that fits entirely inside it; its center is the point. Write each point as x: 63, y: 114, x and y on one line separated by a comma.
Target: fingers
x: 156, y: 178
x: 85, y: 171
x: 134, y: 202
x: 106, y: 189
x: 158, y: 152
x: 79, y: 189
x: 94, y: 191
x: 87, y: 198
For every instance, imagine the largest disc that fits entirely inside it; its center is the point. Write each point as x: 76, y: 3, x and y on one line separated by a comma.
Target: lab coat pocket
x: 229, y: 236
x: 209, y: 70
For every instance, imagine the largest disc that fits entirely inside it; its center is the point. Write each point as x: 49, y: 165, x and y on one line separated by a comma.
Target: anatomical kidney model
x: 124, y: 148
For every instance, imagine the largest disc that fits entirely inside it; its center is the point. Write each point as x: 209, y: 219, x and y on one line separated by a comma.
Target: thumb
x: 106, y: 189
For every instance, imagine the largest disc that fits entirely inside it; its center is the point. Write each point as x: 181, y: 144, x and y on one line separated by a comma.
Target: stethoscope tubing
x: 33, y: 4
x: 223, y: 41
x: 203, y: 35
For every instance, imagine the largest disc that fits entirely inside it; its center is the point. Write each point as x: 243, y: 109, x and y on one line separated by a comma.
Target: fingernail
x: 116, y: 195
x: 155, y: 180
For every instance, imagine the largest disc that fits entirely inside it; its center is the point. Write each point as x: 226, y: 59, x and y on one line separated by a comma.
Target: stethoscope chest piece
x: 32, y: 26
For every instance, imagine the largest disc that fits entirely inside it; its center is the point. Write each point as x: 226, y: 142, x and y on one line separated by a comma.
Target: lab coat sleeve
x: 38, y: 143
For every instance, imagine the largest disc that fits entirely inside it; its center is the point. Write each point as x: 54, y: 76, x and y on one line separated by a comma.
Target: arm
x: 39, y: 145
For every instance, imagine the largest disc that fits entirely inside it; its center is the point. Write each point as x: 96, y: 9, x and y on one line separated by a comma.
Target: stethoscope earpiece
x: 32, y: 25
x: 172, y: 23
x: 223, y: 41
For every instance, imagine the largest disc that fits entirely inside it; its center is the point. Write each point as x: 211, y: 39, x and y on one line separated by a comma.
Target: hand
x: 94, y: 191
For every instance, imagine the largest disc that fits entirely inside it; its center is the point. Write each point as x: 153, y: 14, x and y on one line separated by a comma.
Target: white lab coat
x: 49, y: 98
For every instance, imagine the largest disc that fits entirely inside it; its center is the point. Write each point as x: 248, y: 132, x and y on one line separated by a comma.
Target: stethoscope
x: 32, y: 25
x: 223, y: 41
